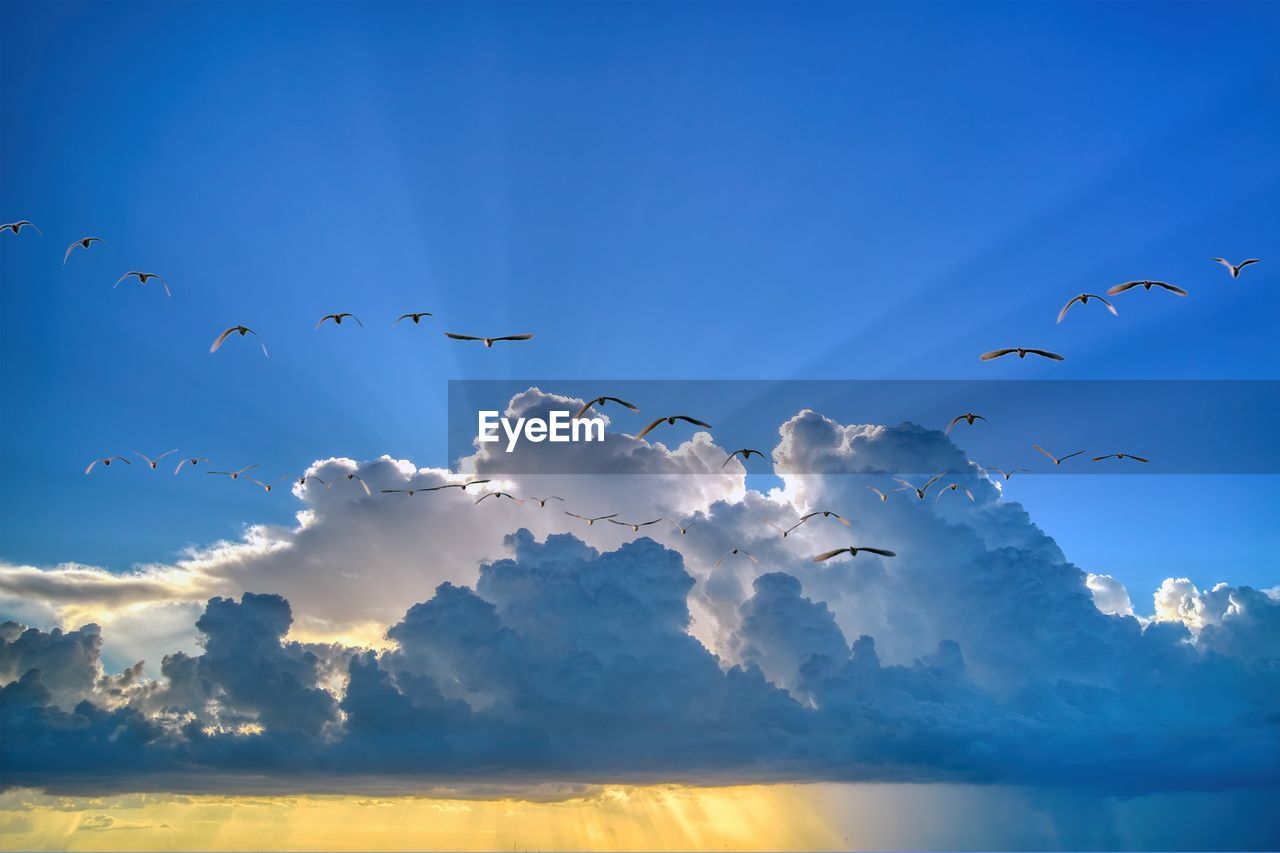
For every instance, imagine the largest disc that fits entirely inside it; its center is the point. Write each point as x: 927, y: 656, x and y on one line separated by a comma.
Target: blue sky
x: 810, y: 191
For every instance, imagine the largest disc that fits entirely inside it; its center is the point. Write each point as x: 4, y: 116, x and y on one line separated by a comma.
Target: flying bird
x: 242, y: 330
x: 414, y: 316
x: 671, y: 421
x: 1022, y: 352
x: 352, y: 476
x: 853, y: 551
x: 1235, y: 268
x: 155, y: 462
x: 591, y: 521
x: 106, y: 462
x: 600, y: 401
x: 1008, y: 475
x: 499, y: 495
x: 488, y: 342
x: 338, y: 318
x: 822, y: 512
x: 919, y: 490
x: 235, y: 475
x: 1083, y: 299
x: 193, y: 460
x: 16, y: 227
x: 302, y: 481
x: 83, y: 244
x: 733, y: 552
x: 952, y: 488
x: 745, y: 453
x: 635, y: 527
x: 462, y: 486
x: 683, y: 528
x: 1146, y: 285
x: 968, y: 417
x: 143, y: 278
x: 883, y: 496
x: 1056, y: 460
x: 266, y: 487
x: 1120, y: 456
x: 542, y: 502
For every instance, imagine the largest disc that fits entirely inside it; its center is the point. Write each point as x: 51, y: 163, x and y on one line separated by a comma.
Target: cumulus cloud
x: 428, y: 636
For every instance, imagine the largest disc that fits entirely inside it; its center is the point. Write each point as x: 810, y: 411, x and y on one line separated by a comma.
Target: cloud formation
x: 427, y: 637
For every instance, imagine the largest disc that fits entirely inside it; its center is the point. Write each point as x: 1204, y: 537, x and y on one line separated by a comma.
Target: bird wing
x: 632, y: 406
x: 995, y: 353
x: 150, y: 461
x: 123, y: 277
x: 602, y: 517
x: 1046, y: 354
x: 1121, y: 288
x: 261, y: 343
x: 68, y: 254
x: 926, y: 486
x: 1139, y: 458
x: 357, y: 319
x: 333, y: 317
x: 166, y: 453
x: 575, y: 515
x: 882, y: 495
x: 1172, y: 288
x: 1066, y: 307
x: 222, y: 337
x: 967, y: 492
x: 513, y: 338
x: 365, y: 486
x: 458, y: 337
x: 485, y: 495
x: 841, y: 519
x: 1226, y: 263
x: 165, y: 284
x: 693, y: 421
x: 647, y: 429
x: 1069, y: 455
x: 827, y: 555
x: 90, y: 468
x: 647, y: 523
x: 957, y: 419
x: 584, y: 408
x: 1046, y: 453
x: 1100, y: 458
x: 881, y: 551
x: 1110, y: 307
x: 1239, y: 266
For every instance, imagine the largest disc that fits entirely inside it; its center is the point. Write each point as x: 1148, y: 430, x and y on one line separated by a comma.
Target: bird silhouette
x: 671, y: 420
x: 852, y: 551
x: 155, y: 462
x: 193, y: 460
x: 745, y: 453
x: 338, y: 318
x: 16, y: 227
x: 542, y: 502
x: 591, y: 520
x: 882, y: 495
x: 1008, y: 475
x: 351, y: 475
x: 919, y: 490
x: 143, y: 278
x: 106, y: 461
x: 1121, y: 456
x: 84, y: 243
x: 952, y: 488
x: 1146, y: 285
x: 488, y: 342
x: 733, y: 552
x: 242, y: 331
x: 1022, y: 352
x: 635, y: 526
x: 1056, y: 460
x: 462, y: 486
x: 267, y: 487
x: 683, y: 528
x: 414, y: 316
x: 235, y: 475
x: 599, y: 403
x: 499, y: 495
x: 1083, y: 299
x: 1234, y: 268
x: 968, y: 417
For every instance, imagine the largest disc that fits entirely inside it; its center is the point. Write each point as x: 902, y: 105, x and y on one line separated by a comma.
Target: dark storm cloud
x: 566, y: 662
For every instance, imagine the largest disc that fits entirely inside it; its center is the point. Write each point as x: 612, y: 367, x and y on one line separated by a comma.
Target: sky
x: 694, y: 201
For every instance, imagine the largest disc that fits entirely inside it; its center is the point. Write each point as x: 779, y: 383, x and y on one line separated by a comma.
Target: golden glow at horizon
x: 666, y: 817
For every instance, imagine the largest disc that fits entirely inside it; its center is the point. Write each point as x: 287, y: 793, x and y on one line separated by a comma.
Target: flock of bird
x: 921, y: 492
